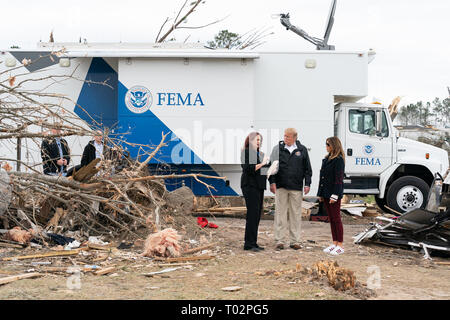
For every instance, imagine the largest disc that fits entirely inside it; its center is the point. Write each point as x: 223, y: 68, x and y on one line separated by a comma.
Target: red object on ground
x: 203, y: 222
x: 212, y: 225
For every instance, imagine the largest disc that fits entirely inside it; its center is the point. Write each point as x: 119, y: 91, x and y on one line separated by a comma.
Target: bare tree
x: 230, y: 40
x: 180, y: 18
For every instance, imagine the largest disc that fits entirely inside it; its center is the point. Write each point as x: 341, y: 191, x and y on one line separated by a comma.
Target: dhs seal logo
x: 368, y: 149
x: 138, y: 99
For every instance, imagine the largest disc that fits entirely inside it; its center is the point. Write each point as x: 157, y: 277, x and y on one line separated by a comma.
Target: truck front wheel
x: 407, y: 193
x: 381, y: 203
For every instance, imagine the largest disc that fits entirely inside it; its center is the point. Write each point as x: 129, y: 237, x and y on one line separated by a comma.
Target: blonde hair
x: 336, y: 148
x: 291, y: 131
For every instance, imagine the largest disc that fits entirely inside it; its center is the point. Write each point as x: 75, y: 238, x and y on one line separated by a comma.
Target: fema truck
x: 209, y: 100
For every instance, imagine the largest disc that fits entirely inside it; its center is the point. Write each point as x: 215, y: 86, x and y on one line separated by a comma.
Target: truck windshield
x: 364, y: 122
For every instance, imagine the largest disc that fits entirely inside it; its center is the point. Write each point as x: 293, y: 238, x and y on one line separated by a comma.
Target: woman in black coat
x: 331, y: 188
x: 253, y: 184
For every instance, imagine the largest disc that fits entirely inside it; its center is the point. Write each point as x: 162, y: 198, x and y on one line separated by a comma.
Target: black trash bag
x: 55, y: 238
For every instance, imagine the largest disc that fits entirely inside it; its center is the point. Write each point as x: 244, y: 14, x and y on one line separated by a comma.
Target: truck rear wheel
x: 407, y: 193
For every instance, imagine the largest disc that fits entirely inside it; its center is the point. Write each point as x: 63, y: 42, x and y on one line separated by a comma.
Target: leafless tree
x: 183, y: 13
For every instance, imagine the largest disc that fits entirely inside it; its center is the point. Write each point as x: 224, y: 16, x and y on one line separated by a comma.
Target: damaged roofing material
x: 428, y: 229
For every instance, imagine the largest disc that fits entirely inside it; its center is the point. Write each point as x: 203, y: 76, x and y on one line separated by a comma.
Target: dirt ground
x: 404, y: 274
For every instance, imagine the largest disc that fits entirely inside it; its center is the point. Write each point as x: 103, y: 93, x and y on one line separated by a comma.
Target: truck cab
x: 397, y: 171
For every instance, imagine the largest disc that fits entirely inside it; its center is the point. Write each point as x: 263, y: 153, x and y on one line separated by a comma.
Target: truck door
x: 368, y: 143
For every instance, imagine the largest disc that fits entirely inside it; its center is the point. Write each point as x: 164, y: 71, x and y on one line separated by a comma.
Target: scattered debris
x: 105, y: 247
x: 151, y: 274
x: 104, y: 271
x: 370, y: 212
x: 180, y: 259
x: 19, y: 235
x: 9, y: 279
x: 194, y: 250
x: 187, y: 264
x: 12, y: 244
x: 95, y: 240
x: 356, y: 211
x: 203, y: 222
x: 45, y: 255
x: 73, y: 245
x: 40, y: 263
x: 232, y: 289
x: 59, y: 239
x: 416, y: 229
x: 319, y: 294
x: 339, y: 278
x: 163, y: 244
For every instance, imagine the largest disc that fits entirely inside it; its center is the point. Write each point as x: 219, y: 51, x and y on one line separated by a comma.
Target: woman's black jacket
x: 251, y: 178
x: 331, y: 178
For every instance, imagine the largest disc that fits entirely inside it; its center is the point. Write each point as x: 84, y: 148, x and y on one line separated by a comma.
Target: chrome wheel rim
x: 409, y: 198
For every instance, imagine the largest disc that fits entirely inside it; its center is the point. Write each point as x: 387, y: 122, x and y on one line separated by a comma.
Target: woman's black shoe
x: 260, y: 248
x: 254, y: 249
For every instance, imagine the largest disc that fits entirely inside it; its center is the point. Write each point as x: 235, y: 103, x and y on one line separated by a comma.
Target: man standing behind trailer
x: 55, y: 154
x: 294, y: 172
x: 94, y: 149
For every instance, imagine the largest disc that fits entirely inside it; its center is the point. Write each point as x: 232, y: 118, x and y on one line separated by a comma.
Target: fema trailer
x: 211, y: 99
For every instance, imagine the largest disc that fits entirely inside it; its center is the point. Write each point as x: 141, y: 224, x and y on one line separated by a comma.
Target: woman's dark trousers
x: 254, y: 201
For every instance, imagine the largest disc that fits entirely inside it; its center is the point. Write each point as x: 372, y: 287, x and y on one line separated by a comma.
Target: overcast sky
x: 411, y: 37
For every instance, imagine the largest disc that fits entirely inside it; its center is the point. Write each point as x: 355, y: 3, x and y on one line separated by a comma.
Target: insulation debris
x: 18, y: 235
x: 163, y: 244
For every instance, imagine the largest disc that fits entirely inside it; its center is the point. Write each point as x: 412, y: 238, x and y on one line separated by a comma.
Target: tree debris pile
x: 339, y: 278
x: 116, y: 206
x: 98, y: 200
x: 327, y: 273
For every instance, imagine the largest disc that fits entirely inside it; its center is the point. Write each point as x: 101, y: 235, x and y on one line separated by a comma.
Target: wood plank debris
x: 231, y: 289
x: 180, y: 259
x: 105, y: 247
x: 151, y: 274
x: 353, y: 205
x: 9, y: 279
x: 194, y: 250
x: 223, y: 209
x: 104, y: 271
x: 9, y: 244
x: 45, y: 255
x: 182, y: 264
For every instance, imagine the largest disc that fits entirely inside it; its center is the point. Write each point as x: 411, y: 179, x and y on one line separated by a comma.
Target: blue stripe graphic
x: 99, y: 101
x: 106, y: 105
